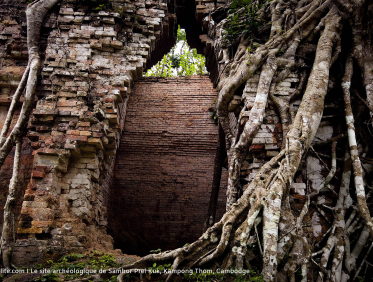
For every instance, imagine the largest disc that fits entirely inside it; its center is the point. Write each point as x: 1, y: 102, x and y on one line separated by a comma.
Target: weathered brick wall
x: 164, y: 167
x: 91, y: 62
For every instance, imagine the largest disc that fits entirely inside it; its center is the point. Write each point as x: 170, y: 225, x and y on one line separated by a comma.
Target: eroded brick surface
x: 164, y: 167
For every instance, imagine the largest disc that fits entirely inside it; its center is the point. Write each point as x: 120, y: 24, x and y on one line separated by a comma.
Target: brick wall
x: 164, y: 166
x: 91, y: 60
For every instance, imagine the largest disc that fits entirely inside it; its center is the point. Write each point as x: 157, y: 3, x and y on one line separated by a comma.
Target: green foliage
x: 360, y: 279
x: 159, y: 268
x: 74, y: 257
x: 240, y: 278
x: 49, y: 277
x: 112, y: 279
x: 181, y: 34
x: 98, y: 5
x: 213, y: 112
x: 204, y: 277
x: 185, y: 62
x: 162, y: 69
x: 242, y: 18
x: 156, y: 251
x: 105, y: 261
x: 190, y: 63
x: 78, y: 263
x: 255, y: 276
x: 65, y: 263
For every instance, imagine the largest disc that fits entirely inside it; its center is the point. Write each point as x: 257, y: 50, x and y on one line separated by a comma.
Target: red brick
x: 256, y: 147
x: 67, y: 103
x: 72, y: 132
x: 39, y: 171
x: 76, y: 138
x: 108, y: 100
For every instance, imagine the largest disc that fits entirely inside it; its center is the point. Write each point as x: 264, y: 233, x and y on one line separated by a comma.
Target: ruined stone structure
x: 93, y: 60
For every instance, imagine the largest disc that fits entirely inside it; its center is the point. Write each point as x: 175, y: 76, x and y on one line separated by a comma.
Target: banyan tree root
x: 263, y: 213
x: 35, y: 13
x: 338, y: 229
x: 239, y: 150
x: 358, y: 170
x: 8, y: 225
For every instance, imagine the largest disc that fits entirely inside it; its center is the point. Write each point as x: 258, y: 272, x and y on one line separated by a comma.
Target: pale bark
x: 13, y: 105
x: 35, y: 14
x: 238, y: 152
x: 358, y: 170
x: 8, y: 232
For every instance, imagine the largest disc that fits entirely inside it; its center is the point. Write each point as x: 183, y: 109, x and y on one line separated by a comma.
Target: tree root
x: 358, y: 171
x: 7, y: 235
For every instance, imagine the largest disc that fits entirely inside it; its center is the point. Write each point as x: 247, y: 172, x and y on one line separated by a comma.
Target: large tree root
x: 7, y: 236
x: 358, y: 170
x: 341, y: 230
x: 238, y: 152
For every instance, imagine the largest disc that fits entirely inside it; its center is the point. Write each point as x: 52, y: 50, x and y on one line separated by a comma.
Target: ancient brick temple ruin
x: 104, y: 147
